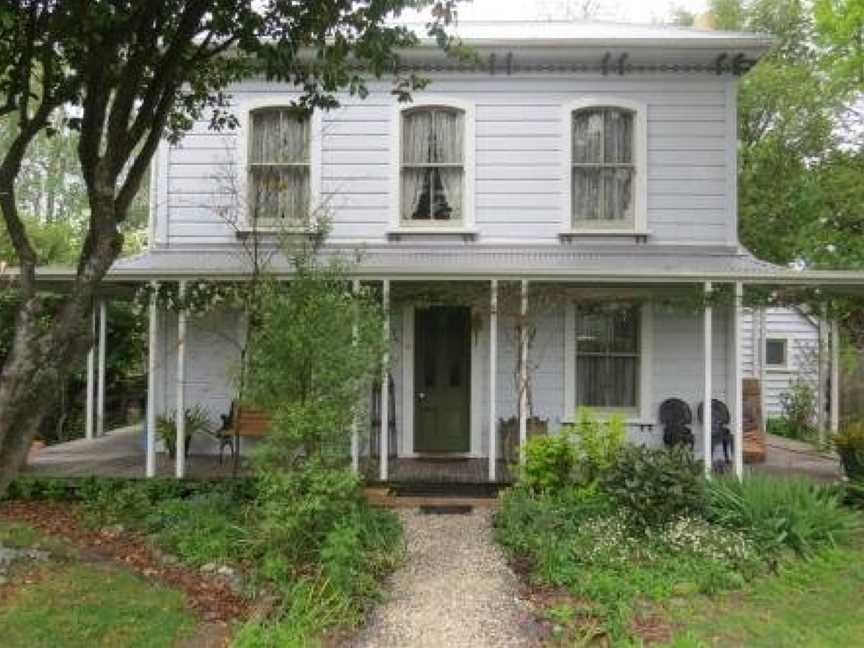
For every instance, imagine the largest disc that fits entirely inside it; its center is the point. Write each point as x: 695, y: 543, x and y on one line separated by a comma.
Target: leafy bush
x: 202, y: 529
x: 580, y: 453
x: 850, y: 447
x: 655, y: 486
x: 549, y: 463
x: 798, y: 405
x: 600, y: 443
x: 782, y: 513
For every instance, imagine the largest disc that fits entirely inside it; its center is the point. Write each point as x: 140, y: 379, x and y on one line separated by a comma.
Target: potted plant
x: 508, y: 430
x: 166, y: 426
x: 850, y: 447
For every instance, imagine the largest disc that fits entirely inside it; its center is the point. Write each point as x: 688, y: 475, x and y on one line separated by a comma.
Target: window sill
x: 778, y: 369
x: 245, y: 231
x: 464, y: 232
x: 641, y: 236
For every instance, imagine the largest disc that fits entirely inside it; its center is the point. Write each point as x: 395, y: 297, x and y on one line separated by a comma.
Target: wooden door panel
x: 442, y: 343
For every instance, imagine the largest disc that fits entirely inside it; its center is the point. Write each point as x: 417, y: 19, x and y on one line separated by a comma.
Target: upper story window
x: 279, y: 167
x: 432, y: 166
x: 606, y: 155
x: 603, y: 167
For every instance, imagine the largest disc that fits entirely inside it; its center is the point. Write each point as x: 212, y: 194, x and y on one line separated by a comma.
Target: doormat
x: 446, y: 510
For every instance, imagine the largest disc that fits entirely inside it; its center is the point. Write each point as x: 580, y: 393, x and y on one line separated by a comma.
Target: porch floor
x: 118, y: 454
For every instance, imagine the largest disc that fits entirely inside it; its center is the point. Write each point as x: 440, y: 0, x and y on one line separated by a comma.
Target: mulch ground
x: 211, y: 597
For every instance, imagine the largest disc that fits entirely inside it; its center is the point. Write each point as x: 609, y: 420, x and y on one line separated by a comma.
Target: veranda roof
x: 452, y: 262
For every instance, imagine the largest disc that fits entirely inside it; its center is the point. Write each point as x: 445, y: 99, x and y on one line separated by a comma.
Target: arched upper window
x: 278, y: 167
x: 432, y: 166
x: 606, y: 167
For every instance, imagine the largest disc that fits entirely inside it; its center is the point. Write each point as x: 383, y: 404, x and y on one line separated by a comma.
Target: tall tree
x: 139, y: 71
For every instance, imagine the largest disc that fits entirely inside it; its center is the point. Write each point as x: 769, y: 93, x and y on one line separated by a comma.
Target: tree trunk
x: 35, y: 370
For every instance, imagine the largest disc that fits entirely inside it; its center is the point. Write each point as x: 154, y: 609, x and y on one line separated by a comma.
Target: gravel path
x: 454, y: 590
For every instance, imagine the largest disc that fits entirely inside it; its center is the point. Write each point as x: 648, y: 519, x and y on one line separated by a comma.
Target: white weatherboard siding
x: 212, y: 363
x: 802, y: 336
x: 675, y: 371
x: 518, y: 150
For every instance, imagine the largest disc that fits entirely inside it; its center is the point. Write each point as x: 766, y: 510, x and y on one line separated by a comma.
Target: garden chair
x: 676, y: 417
x: 720, y: 433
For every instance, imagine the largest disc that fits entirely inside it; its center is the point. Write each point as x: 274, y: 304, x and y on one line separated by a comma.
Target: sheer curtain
x: 279, y: 166
x: 602, y: 150
x: 416, y: 149
x: 448, y: 137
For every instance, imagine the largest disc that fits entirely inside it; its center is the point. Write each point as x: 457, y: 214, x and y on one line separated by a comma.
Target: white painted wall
x: 676, y: 367
x: 802, y: 334
x: 519, y: 176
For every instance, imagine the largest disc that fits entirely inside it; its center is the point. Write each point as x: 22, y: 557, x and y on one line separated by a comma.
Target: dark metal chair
x: 720, y: 433
x: 676, y: 417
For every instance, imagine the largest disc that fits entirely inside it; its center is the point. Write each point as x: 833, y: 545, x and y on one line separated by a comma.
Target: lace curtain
x: 603, y: 168
x: 279, y: 166
x: 432, y: 164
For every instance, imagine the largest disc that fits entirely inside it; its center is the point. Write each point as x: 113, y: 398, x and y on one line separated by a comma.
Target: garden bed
x: 612, y: 539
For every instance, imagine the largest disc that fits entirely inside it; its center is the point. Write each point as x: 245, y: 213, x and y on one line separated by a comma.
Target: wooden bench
x: 241, y: 421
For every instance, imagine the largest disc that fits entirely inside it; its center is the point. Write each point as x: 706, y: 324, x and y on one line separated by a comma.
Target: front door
x: 442, y: 379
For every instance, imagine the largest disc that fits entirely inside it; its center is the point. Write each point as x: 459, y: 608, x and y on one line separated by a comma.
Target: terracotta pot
x: 35, y: 447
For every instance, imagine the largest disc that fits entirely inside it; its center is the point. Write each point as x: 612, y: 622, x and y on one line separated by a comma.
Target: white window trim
x: 466, y: 224
x: 316, y: 134
x: 787, y: 350
x: 640, y: 165
x: 643, y: 412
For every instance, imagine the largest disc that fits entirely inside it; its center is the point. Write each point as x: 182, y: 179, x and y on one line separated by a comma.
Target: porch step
x: 483, y: 490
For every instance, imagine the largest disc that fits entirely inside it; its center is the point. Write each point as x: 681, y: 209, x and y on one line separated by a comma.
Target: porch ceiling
x: 467, y: 262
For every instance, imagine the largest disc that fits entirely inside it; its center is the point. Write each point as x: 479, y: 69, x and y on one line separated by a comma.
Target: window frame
x: 243, y: 141
x: 639, y: 225
x: 465, y: 225
x: 642, y: 412
x: 787, y: 344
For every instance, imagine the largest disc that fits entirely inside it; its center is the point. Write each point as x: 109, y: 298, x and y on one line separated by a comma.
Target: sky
x: 638, y: 11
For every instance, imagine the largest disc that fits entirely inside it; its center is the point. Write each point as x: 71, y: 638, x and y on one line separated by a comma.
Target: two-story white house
x: 580, y: 178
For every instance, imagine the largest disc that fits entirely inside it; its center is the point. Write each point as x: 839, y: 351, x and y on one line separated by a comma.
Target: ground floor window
x: 608, y: 350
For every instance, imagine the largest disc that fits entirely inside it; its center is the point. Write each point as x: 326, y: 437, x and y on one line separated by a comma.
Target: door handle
x: 421, y: 396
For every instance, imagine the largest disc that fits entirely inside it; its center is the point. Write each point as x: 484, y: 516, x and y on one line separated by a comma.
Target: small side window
x: 776, y: 350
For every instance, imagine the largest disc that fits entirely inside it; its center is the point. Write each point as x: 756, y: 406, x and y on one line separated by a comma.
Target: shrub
x: 600, y: 443
x: 549, y: 463
x: 782, y: 513
x: 524, y: 517
x: 850, y: 447
x: 201, y: 529
x: 655, y: 486
x: 798, y: 405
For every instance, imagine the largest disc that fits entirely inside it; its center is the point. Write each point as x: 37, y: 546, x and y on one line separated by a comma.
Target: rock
x: 209, y: 568
x: 112, y: 531
x: 226, y: 571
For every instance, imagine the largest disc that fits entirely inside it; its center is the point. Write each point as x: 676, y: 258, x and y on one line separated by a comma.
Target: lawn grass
x: 82, y: 605
x: 67, y: 602
x: 816, y: 603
